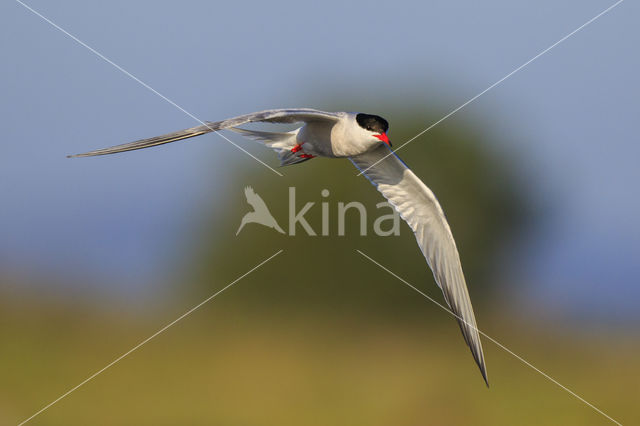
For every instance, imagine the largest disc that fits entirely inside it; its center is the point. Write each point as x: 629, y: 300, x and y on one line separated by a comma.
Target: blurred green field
x: 233, y: 366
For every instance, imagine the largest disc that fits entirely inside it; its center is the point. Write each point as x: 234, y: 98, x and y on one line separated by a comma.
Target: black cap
x: 373, y: 123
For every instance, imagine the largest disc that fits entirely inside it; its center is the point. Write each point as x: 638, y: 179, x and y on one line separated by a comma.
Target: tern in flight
x: 362, y: 138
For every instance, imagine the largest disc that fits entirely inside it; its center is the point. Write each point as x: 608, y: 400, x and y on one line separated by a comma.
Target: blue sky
x: 572, y: 114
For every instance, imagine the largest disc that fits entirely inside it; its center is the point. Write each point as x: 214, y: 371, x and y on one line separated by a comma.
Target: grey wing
x: 417, y: 205
x: 292, y: 115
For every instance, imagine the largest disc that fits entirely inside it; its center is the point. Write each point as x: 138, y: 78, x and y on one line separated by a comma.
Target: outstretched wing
x: 294, y: 115
x: 417, y: 205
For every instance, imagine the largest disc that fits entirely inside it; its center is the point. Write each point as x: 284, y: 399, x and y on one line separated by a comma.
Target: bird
x: 362, y: 138
x: 260, y: 213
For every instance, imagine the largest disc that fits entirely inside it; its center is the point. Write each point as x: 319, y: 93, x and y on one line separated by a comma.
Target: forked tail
x: 281, y: 142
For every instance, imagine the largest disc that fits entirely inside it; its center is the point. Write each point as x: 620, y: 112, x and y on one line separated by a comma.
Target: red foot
x: 297, y: 148
x: 306, y: 156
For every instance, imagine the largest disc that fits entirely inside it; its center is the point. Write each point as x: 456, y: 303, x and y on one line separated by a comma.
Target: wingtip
x: 476, y: 351
x: 483, y: 370
x: 478, y: 357
x: 484, y: 376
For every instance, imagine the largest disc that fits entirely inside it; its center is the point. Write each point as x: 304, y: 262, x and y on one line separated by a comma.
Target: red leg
x: 297, y: 148
x: 306, y: 156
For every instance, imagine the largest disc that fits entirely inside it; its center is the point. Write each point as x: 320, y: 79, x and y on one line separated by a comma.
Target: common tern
x: 362, y: 138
